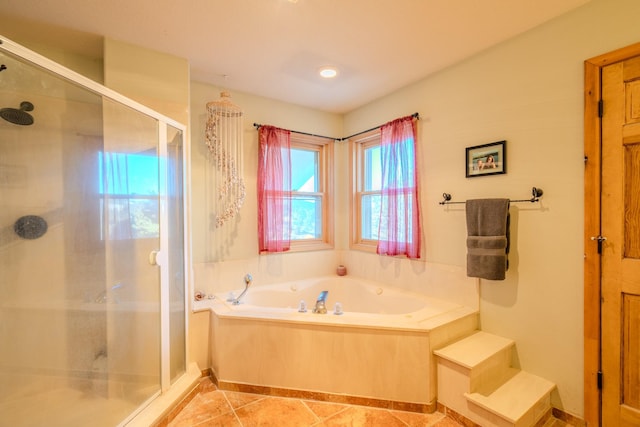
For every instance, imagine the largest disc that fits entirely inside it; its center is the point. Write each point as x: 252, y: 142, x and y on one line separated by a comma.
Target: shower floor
x: 34, y: 404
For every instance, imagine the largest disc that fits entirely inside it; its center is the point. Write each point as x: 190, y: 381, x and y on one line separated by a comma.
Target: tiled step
x: 475, y: 379
x: 474, y: 349
x: 521, y: 401
x: 483, y: 359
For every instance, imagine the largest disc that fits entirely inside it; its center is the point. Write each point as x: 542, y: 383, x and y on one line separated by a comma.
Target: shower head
x: 18, y: 116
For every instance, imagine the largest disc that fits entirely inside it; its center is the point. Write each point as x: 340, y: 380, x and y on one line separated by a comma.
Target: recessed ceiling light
x: 328, y: 72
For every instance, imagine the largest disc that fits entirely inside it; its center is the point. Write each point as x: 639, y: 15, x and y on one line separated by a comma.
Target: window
x: 128, y: 186
x: 295, y: 207
x: 367, y: 194
x: 385, y: 209
x: 311, y: 204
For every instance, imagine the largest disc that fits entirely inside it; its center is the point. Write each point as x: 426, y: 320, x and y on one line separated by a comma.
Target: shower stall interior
x: 92, y: 248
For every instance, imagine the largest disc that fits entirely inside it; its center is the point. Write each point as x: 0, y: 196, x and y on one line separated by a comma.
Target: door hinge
x: 599, y: 379
x: 600, y: 108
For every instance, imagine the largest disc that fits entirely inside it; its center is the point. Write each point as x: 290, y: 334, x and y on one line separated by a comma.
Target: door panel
x: 632, y: 200
x: 621, y: 251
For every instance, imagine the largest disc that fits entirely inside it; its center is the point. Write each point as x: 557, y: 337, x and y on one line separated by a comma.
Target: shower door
x: 92, y: 277
x: 129, y: 188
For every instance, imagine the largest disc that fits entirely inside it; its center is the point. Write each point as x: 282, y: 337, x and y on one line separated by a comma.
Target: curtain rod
x: 258, y: 126
x: 414, y: 115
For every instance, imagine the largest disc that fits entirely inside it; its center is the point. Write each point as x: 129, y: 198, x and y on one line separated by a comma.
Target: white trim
x: 165, y: 298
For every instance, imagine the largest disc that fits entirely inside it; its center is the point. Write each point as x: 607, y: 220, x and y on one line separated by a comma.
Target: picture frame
x: 486, y: 159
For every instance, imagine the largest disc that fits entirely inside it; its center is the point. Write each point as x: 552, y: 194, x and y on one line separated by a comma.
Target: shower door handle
x: 155, y: 258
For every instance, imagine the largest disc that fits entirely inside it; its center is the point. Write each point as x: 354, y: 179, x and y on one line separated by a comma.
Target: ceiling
x: 274, y: 48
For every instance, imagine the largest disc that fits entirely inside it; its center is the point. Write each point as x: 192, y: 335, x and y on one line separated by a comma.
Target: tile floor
x: 212, y: 407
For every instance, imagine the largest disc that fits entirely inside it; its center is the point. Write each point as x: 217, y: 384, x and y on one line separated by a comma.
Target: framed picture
x: 487, y: 159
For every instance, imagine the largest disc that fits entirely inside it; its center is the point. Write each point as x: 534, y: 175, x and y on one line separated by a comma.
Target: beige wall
x: 528, y: 91
x: 155, y: 79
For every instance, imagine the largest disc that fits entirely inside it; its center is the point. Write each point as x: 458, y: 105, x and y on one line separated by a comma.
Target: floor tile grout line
x: 344, y: 408
x: 393, y: 415
x: 233, y: 410
x: 318, y: 418
x: 258, y: 399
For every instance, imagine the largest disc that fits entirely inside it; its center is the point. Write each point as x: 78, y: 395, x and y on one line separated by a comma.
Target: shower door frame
x: 161, y: 257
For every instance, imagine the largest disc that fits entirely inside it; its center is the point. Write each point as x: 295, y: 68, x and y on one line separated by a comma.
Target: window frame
x: 357, y: 147
x: 324, y: 148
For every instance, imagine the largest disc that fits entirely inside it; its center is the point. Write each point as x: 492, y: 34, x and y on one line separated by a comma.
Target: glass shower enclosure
x: 92, y: 248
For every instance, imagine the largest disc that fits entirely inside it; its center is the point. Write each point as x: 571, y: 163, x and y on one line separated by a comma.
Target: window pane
x: 145, y: 223
x: 403, y: 214
x: 306, y: 212
x: 401, y: 164
x: 304, y: 170
x: 370, y: 214
x: 128, y: 174
x: 372, y: 169
x: 129, y: 187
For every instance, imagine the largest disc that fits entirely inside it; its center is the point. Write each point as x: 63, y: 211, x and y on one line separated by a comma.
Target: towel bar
x: 536, y: 194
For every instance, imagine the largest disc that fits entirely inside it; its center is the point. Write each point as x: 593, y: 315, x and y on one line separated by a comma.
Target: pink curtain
x: 399, y: 232
x: 274, y: 189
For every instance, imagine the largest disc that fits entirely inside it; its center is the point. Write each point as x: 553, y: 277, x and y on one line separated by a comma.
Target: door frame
x: 592, y: 226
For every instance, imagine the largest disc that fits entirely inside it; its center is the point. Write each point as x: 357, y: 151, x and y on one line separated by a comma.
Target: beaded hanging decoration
x: 223, y: 137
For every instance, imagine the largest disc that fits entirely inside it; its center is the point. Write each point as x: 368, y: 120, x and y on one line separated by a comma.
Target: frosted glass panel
x: 130, y: 179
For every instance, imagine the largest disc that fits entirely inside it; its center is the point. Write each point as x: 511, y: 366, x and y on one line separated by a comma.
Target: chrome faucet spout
x: 247, y: 282
x: 321, y: 303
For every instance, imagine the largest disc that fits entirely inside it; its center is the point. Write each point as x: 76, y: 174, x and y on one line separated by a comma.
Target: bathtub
x: 378, y: 352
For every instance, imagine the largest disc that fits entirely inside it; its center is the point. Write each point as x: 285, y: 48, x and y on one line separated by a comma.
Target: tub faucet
x: 321, y: 303
x: 247, y: 282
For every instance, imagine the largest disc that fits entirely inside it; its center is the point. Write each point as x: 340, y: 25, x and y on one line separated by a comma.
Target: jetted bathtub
x: 380, y: 349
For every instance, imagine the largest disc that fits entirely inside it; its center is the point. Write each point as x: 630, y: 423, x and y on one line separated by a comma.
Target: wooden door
x: 620, y: 224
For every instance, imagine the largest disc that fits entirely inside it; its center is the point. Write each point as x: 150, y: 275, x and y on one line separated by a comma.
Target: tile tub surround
x: 382, y: 364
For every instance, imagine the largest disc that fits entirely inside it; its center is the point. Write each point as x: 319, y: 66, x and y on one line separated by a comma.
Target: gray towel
x: 487, y: 238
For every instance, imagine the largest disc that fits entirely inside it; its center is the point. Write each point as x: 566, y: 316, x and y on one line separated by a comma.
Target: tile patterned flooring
x: 213, y: 407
